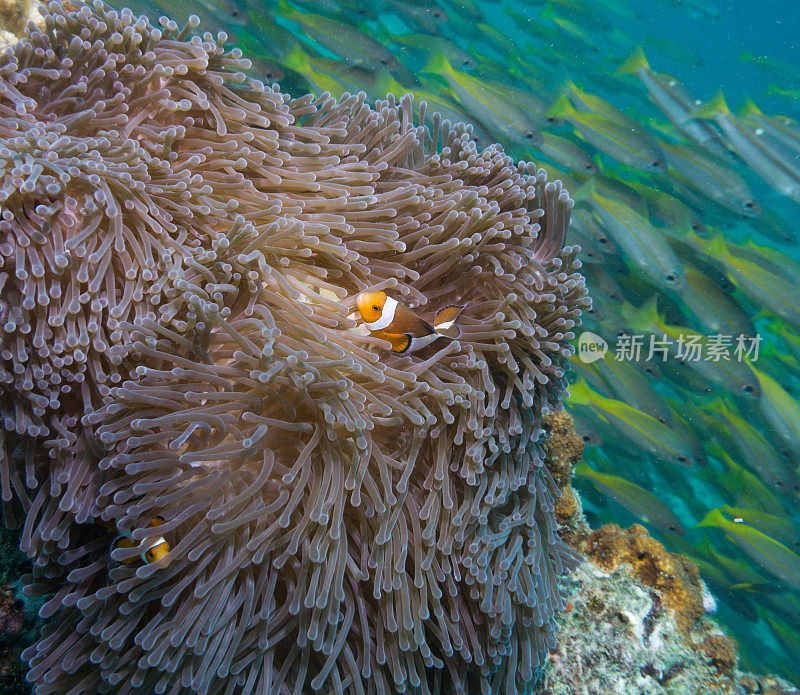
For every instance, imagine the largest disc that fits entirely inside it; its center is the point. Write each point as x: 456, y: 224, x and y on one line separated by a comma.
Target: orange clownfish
x: 389, y: 320
x: 157, y: 547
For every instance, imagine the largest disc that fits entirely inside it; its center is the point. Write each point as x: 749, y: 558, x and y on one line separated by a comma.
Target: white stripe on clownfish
x: 387, y: 315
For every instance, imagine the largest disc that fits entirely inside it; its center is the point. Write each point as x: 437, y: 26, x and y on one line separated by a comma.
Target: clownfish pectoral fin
x: 401, y: 342
x: 444, y: 322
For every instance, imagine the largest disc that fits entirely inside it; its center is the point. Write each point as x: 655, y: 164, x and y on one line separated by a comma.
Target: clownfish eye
x: 376, y: 308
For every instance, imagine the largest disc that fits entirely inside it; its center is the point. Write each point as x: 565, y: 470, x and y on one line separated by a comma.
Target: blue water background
x: 769, y: 28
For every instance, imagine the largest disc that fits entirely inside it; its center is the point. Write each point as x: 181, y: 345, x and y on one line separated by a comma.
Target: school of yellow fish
x: 686, y: 212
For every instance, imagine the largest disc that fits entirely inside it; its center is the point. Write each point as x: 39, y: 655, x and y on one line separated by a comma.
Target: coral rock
x: 676, y: 577
x: 635, y: 623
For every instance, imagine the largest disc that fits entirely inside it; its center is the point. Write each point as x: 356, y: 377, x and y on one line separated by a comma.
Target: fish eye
x: 663, y: 421
x: 682, y: 458
x: 656, y: 164
x: 602, y: 239
x: 671, y: 277
x: 376, y: 308
x: 748, y: 388
x: 749, y: 204
x: 529, y: 135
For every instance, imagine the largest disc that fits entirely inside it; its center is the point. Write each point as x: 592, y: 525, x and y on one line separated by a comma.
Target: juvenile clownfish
x: 388, y: 319
x: 157, y: 547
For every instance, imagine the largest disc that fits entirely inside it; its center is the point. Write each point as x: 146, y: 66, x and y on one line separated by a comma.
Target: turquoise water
x: 714, y: 441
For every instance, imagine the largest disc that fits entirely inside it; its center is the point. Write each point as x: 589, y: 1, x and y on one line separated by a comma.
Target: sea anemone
x: 182, y: 247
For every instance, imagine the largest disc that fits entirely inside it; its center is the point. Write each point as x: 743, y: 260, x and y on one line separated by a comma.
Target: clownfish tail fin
x: 444, y: 322
x: 452, y: 332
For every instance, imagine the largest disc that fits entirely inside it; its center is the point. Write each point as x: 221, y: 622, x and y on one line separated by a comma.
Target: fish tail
x: 438, y: 64
x: 713, y: 518
x: 296, y: 59
x: 447, y: 315
x: 749, y: 108
x: 746, y: 57
x: 646, y: 315
x: 716, y: 246
x: 712, y: 108
x: 586, y: 191
x: 632, y: 65
x: 580, y: 393
x: 444, y: 321
x: 570, y: 86
x: 451, y: 333
x: 561, y: 108
x: 547, y: 13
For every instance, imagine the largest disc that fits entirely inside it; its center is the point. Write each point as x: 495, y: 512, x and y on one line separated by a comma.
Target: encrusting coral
x: 637, y: 621
x: 181, y: 248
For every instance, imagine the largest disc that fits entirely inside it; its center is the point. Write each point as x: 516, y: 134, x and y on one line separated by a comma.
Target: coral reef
x: 675, y: 577
x: 563, y: 449
x: 181, y: 248
x: 636, y: 622
x: 620, y: 637
x: 14, y: 15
